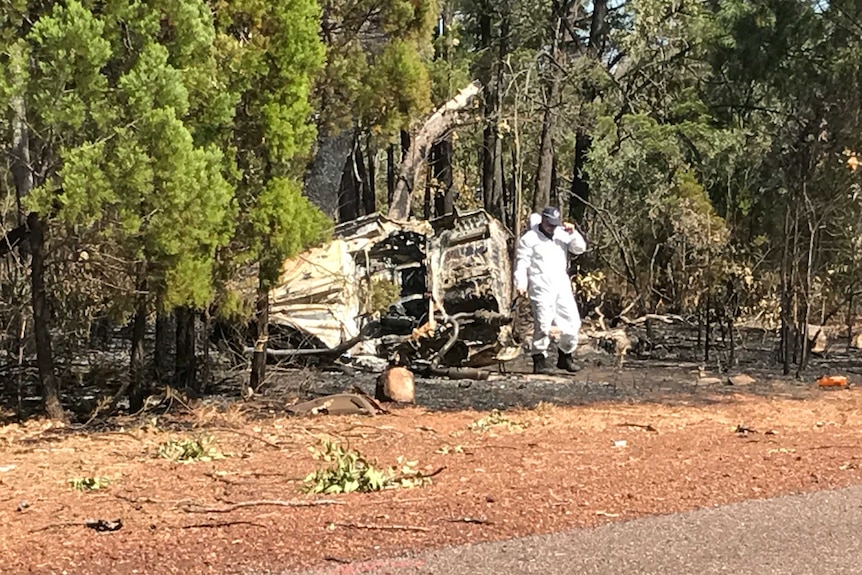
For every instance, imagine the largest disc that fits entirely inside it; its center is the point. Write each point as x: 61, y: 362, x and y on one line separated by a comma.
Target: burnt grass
x: 671, y: 370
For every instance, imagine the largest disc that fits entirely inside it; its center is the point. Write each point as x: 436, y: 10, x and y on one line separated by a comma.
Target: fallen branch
x: 667, y: 318
x: 382, y: 527
x: 440, y: 122
x: 139, y: 500
x: 646, y: 427
x: 473, y: 520
x: 200, y: 508
x: 57, y: 525
x: 101, y: 525
x: 419, y: 475
x: 249, y: 435
x: 222, y: 524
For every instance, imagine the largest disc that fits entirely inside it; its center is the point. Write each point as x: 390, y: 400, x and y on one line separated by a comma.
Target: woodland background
x: 158, y: 152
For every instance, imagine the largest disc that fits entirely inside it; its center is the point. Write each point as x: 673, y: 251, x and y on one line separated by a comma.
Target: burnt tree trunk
x: 41, y: 320
x: 350, y: 188
x: 137, y: 367
x: 598, y: 27
x: 369, y: 189
x: 580, y: 185
x: 580, y: 189
x: 442, y: 120
x: 258, y: 361
x: 544, y: 173
x: 440, y: 162
x: 186, y: 361
x: 162, y: 359
x: 323, y: 173
x: 492, y: 145
x: 786, y: 296
x: 441, y: 172
x: 206, y: 368
x: 850, y: 320
x: 390, y: 174
x: 22, y: 174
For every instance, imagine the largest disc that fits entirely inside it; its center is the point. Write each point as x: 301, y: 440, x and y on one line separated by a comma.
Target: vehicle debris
x: 429, y: 295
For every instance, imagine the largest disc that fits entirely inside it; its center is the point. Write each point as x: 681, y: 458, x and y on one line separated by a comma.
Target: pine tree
x: 271, y: 53
x: 110, y: 95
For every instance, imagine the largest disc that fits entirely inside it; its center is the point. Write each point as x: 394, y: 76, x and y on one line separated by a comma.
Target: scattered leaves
x: 89, y: 483
x: 352, y: 472
x: 496, y: 419
x: 190, y: 450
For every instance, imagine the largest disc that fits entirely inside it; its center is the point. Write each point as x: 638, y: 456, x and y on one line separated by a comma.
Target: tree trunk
x: 809, y: 273
x: 786, y: 296
x: 206, y: 369
x: 492, y: 187
x: 350, y: 188
x: 580, y: 185
x: 162, y: 360
x: 428, y: 203
x: 580, y: 195
x: 369, y: 190
x: 598, y: 28
x: 41, y: 320
x: 258, y: 361
x: 440, y: 121
x: 186, y: 360
x: 324, y: 173
x: 21, y: 168
x: 850, y: 320
x: 22, y: 174
x: 544, y: 174
x: 137, y: 368
x: 440, y: 163
x: 390, y: 174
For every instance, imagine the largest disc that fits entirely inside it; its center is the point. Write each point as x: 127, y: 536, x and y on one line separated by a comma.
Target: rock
x: 708, y: 381
x: 857, y: 341
x: 741, y: 379
x: 395, y: 384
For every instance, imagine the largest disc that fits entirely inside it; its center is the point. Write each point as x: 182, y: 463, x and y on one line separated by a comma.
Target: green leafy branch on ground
x: 88, y: 483
x: 350, y: 471
x: 190, y: 450
x: 496, y: 419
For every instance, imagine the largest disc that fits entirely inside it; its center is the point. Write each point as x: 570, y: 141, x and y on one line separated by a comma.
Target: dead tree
x: 444, y: 119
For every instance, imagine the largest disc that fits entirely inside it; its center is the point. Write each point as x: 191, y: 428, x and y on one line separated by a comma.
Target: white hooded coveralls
x: 541, y: 269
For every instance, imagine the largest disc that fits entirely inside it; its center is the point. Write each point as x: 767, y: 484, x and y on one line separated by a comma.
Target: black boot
x: 567, y: 362
x: 540, y: 364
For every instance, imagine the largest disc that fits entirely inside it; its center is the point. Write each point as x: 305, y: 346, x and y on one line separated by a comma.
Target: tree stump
x: 396, y: 385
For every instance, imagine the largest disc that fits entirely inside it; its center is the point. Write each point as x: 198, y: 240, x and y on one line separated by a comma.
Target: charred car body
x: 434, y: 292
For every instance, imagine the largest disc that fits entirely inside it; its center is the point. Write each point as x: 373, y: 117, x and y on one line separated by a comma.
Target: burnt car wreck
x: 431, y: 295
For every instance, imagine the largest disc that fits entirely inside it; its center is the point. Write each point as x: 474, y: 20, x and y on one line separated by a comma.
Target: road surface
x: 818, y: 533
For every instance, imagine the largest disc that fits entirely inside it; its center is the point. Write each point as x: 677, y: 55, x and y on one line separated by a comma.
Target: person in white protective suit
x: 541, y: 270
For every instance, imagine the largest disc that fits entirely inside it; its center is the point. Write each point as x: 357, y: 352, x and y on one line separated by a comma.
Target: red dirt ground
x: 558, y: 468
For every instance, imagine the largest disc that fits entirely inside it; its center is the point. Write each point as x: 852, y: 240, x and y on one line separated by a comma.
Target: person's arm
x: 573, y: 239
x: 522, y: 264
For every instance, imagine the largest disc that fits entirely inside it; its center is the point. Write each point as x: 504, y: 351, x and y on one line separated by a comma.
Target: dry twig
x: 646, y: 427
x: 222, y: 524
x: 249, y: 435
x: 473, y: 520
x: 200, y: 508
x: 382, y: 527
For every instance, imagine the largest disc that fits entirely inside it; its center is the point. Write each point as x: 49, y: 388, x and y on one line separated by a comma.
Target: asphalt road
x: 818, y: 533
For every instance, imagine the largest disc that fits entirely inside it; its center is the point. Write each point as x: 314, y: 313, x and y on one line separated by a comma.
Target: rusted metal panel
x: 316, y: 294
